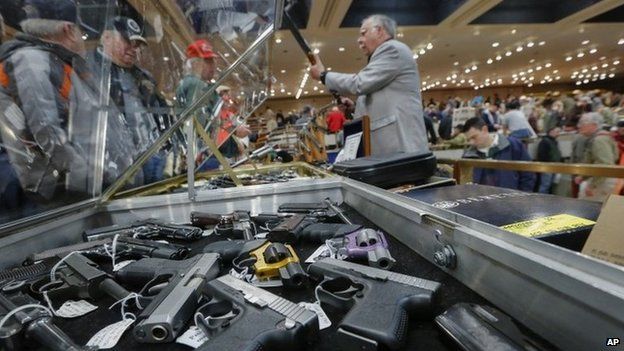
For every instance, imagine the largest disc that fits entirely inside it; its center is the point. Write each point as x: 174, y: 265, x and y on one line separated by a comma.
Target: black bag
x: 387, y: 171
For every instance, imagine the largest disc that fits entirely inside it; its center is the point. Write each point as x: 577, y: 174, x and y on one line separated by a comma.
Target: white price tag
x: 193, y: 337
x: 109, y: 336
x: 320, y: 253
x: 121, y: 265
x: 324, y: 321
x: 271, y: 283
x: 73, y: 309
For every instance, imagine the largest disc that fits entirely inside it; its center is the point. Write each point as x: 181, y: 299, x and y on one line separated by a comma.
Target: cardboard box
x: 606, y: 241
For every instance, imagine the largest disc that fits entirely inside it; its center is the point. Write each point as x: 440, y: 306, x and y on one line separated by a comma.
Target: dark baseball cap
x: 60, y: 10
x: 127, y: 27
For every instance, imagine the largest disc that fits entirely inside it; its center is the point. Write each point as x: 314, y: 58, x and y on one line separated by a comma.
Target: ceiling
x: 463, y: 43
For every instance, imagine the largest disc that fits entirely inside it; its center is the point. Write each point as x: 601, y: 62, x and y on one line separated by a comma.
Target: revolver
x: 235, y: 225
x: 366, y: 244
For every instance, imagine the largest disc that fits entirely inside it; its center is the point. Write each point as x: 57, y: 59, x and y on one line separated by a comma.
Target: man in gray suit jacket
x: 388, y: 89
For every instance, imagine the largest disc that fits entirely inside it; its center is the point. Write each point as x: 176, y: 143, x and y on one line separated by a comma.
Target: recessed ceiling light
x: 538, y: 68
x: 329, y: 68
x: 585, y: 42
x: 305, y: 92
x: 444, y: 85
x: 519, y: 48
x: 530, y: 70
x: 513, y: 31
x: 415, y: 56
x: 621, y: 41
x: 584, y: 70
x: 498, y: 57
x: 581, y: 75
x: 611, y: 75
x: 489, y: 61
x: 530, y: 44
x: 462, y: 81
x: 530, y: 85
x: 508, y: 53
x: 316, y: 51
x: 578, y: 83
x: 585, y: 81
x: 569, y: 58
x: 616, y: 62
x: 321, y: 91
x: 400, y: 35
x: 456, y: 63
x: 580, y: 54
x: 476, y: 88
x: 593, y: 51
x: 467, y: 70
x: 454, y: 75
x: 557, y: 77
x: 315, y: 88
x: 422, y: 51
x: 289, y: 93
x: 278, y: 40
x: 548, y: 64
x: 283, y: 71
x: 448, y: 78
x: 227, y: 54
x: 602, y: 58
x: 474, y: 67
x: 556, y: 71
x: 341, y: 49
x: 495, y: 44
x: 514, y: 75
x: 470, y: 80
x: 594, y: 68
x: 532, y: 60
x: 541, y: 43
x: 429, y: 46
x: 282, y: 90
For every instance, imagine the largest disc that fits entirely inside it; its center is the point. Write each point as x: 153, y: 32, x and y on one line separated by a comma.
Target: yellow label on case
x: 547, y: 225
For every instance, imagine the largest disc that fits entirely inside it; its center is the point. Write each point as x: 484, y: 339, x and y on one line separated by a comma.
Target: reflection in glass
x: 125, y: 77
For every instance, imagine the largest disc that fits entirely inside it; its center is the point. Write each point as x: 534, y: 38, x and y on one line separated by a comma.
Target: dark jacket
x: 508, y: 149
x: 548, y: 150
x: 486, y: 118
x: 445, y: 129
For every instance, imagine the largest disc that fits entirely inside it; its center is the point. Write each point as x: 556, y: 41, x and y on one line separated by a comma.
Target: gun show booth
x: 278, y: 256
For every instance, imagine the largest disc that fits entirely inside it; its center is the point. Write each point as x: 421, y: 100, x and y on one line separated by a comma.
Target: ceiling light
x: 462, y: 81
x: 548, y: 64
x: 522, y: 73
x: 602, y: 58
x: 621, y: 41
x: 315, y: 88
x: 513, y: 31
x: 422, y: 51
x: 289, y: 93
x: 282, y: 90
x: 453, y: 75
x: 557, y: 77
x: 531, y: 78
x: 470, y: 80
x: 580, y: 54
x: 585, y: 42
x: 278, y: 40
x: 227, y: 54
x: 616, y: 62
x: 305, y: 92
x: 538, y: 68
x: 316, y: 51
x: 569, y: 58
x: 453, y: 81
x: 321, y: 91
x: 329, y: 68
x: 400, y: 35
x: 415, y: 56
x: 611, y: 75
x: 429, y: 46
x: 530, y: 44
x: 593, y: 51
x: 514, y: 76
x: 467, y: 70
x: 165, y: 58
x: 474, y: 67
x: 585, y: 81
x: 541, y: 43
x: 594, y: 68
x: 341, y: 49
x: 519, y: 48
x: 456, y: 63
x: 531, y: 60
x: 581, y: 75
x: 530, y: 70
x: 508, y: 53
x: 283, y: 71
x: 489, y: 61
x: 530, y: 85
x: 584, y: 70
x: 495, y: 44
x: 542, y: 81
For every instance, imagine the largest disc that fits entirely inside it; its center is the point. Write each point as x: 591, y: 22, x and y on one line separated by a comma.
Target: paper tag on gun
x: 73, y: 309
x: 324, y: 321
x: 109, y: 336
x: 121, y: 265
x: 193, y: 337
x: 320, y: 253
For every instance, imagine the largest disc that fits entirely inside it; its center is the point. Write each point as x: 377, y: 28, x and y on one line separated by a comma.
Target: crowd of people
x: 60, y: 102
x: 501, y: 128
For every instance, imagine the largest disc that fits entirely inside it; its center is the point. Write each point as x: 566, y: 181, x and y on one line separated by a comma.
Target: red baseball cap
x: 200, y: 48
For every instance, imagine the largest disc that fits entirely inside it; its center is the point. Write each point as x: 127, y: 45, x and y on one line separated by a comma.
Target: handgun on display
x: 242, y: 317
x: 80, y: 277
x: 379, y: 303
x: 174, y: 305
x: 235, y: 225
x: 366, y: 244
x: 301, y: 227
x: 146, y: 229
x: 29, y: 323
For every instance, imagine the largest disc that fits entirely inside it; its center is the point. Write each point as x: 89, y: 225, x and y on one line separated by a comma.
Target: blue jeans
x: 546, y: 181
x: 14, y: 203
x: 209, y: 164
x: 521, y: 133
x: 153, y: 169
